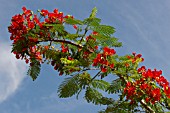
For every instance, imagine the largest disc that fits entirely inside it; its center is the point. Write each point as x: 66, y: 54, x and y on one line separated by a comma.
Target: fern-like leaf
x: 92, y: 95
x: 104, y: 30
x: 93, y: 22
x: 69, y: 87
x: 72, y: 21
x: 107, y: 41
x: 34, y: 70
x: 93, y: 13
x: 118, y: 107
x: 100, y: 84
x: 115, y: 86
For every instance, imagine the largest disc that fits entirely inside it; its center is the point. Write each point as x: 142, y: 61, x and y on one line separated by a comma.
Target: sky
x: 142, y: 26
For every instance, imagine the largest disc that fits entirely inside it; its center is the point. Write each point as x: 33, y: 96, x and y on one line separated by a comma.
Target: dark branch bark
x: 95, y: 76
x: 62, y: 41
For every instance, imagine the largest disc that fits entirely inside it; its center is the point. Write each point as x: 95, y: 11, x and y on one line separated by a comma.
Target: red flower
x: 103, y: 69
x: 75, y: 26
x: 95, y: 33
x: 112, y: 66
x: 44, y: 12
x: 147, y: 99
x: 26, y: 12
x: 167, y: 90
x: 64, y: 49
x: 142, y: 69
x: 96, y: 47
x: 36, y: 20
x: 55, y: 11
x: 108, y: 51
x: 133, y: 53
x: 139, y: 56
x: 27, y: 61
x: 31, y: 25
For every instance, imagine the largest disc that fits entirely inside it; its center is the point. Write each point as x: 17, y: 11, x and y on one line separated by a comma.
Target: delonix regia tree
x: 75, y: 47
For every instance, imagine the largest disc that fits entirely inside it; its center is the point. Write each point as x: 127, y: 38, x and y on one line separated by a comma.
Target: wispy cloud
x: 12, y: 72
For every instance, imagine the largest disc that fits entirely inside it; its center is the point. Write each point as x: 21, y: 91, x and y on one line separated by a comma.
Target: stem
x: 90, y: 69
x: 67, y: 42
x: 146, y: 106
x: 64, y: 41
x: 95, y: 76
x: 86, y: 29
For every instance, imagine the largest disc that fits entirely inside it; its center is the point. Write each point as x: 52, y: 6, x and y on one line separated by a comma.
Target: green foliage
x: 92, y: 21
x: 34, y: 70
x: 119, y: 107
x: 72, y: 36
x: 74, y: 21
x: 93, y: 13
x: 107, y: 41
x: 92, y: 95
x: 69, y: 87
x: 69, y: 62
x: 104, y: 29
x: 76, y: 54
x: 100, y: 84
x: 115, y: 86
x: 55, y: 27
x: 107, y: 101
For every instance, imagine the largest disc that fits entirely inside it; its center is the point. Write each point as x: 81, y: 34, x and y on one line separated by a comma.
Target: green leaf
x: 34, y: 70
x: 119, y: 107
x: 93, y: 13
x: 104, y: 30
x: 92, y: 95
x: 72, y: 36
x: 107, y: 101
x: 92, y: 21
x: 56, y: 28
x: 107, y: 41
x: 100, y: 84
x: 72, y: 21
x: 115, y: 86
x: 69, y: 87
x: 74, y: 62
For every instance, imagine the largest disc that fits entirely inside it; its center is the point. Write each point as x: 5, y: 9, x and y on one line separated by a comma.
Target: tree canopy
x: 47, y: 37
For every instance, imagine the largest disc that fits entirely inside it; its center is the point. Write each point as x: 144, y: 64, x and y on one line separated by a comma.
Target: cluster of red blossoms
x: 22, y: 24
x: 156, y: 76
x: 143, y: 88
x: 135, y: 57
x: 101, y: 59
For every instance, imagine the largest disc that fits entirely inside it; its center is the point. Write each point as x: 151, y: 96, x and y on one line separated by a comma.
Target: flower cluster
x: 144, y: 87
x: 157, y: 76
x: 27, y: 30
x: 140, y: 89
x: 101, y: 59
x: 135, y: 57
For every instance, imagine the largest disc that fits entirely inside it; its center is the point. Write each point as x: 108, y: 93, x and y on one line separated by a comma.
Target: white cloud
x: 12, y: 72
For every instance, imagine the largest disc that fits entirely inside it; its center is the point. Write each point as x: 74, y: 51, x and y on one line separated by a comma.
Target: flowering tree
x: 47, y: 37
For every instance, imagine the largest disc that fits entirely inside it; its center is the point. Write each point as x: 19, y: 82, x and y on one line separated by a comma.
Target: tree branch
x: 143, y: 103
x: 95, y: 76
x: 63, y: 41
x: 86, y: 29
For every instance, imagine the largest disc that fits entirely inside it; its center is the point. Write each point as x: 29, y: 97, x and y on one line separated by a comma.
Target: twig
x: 86, y: 29
x: 63, y: 41
x: 146, y: 106
x: 95, y: 76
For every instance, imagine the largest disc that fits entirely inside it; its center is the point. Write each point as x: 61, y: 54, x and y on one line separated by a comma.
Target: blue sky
x: 142, y: 26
